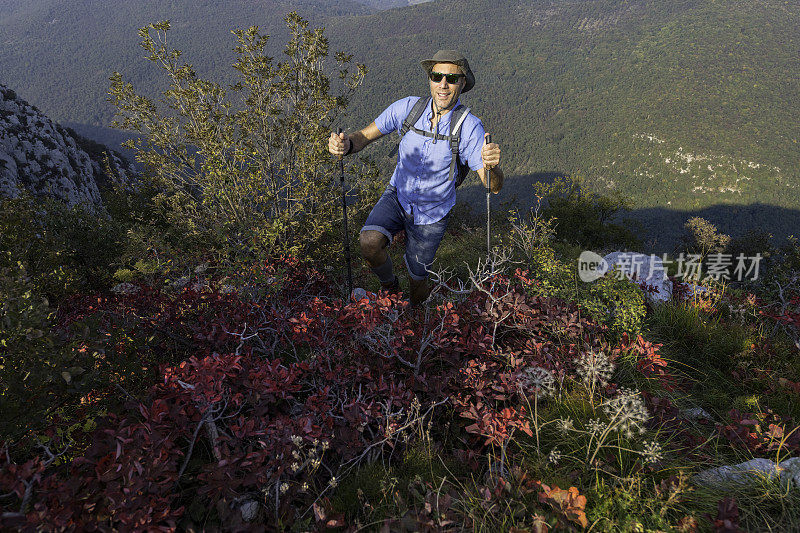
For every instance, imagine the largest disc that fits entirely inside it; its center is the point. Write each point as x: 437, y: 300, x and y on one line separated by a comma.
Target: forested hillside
x: 58, y: 54
x: 677, y: 105
x: 391, y: 4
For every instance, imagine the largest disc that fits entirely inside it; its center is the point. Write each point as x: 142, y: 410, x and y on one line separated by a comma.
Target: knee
x: 372, y: 243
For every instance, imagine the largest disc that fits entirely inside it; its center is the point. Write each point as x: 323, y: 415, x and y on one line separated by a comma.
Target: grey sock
x: 384, y: 272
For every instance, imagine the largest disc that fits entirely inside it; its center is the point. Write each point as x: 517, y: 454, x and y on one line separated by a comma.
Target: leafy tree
x: 702, y: 237
x: 246, y: 167
x: 583, y: 217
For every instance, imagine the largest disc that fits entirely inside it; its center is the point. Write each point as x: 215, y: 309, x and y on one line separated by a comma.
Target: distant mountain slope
x: 680, y: 104
x: 60, y: 53
x: 45, y: 159
x: 585, y: 85
x: 391, y: 4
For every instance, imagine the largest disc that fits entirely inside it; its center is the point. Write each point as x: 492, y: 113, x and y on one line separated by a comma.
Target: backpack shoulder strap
x: 413, y: 116
x: 457, y: 118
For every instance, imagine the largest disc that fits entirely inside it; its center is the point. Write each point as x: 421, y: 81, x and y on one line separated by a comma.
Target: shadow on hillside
x: 658, y: 228
x: 517, y: 191
x: 110, y: 137
x: 661, y: 228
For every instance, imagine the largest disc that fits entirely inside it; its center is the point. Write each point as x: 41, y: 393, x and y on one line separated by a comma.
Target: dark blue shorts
x: 422, y: 240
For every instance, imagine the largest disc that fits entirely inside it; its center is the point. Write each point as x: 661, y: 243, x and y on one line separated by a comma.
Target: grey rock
x: 181, y: 282
x: 695, y: 413
x: 125, y: 288
x: 740, y: 474
x: 249, y: 510
x: 641, y: 268
x: 790, y: 471
x: 39, y: 156
x: 751, y: 471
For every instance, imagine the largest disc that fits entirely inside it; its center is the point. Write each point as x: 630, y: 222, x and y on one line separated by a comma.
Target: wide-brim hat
x: 455, y: 57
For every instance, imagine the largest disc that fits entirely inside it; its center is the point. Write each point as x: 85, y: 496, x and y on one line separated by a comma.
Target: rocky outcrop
x: 41, y: 157
x: 751, y: 472
x: 642, y: 268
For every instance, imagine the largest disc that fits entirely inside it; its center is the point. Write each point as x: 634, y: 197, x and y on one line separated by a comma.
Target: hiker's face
x: 446, y: 94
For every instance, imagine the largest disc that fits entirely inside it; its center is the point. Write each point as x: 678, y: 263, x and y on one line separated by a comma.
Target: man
x: 421, y: 192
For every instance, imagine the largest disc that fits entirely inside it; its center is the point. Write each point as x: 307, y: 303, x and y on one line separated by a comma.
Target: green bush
x: 582, y: 217
x: 62, y: 249
x: 248, y: 171
x: 617, y: 303
x: 701, y: 237
x: 30, y: 355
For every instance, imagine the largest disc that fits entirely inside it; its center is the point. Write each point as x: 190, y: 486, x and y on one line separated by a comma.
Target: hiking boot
x: 393, y: 287
x: 420, y: 291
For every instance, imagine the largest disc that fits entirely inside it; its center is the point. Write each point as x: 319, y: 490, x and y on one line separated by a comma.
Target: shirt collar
x: 429, y: 115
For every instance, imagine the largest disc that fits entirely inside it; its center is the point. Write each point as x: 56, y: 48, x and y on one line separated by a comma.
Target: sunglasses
x: 436, y: 77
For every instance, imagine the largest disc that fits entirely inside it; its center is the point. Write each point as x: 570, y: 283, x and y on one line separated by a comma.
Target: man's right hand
x: 338, y: 143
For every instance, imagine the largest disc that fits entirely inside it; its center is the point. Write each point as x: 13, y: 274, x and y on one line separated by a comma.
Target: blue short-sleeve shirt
x: 422, y: 174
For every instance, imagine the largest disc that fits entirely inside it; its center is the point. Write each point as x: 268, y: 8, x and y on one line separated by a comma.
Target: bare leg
x: 373, y: 247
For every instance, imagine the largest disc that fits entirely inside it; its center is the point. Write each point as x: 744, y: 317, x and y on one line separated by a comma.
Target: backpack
x: 458, y: 171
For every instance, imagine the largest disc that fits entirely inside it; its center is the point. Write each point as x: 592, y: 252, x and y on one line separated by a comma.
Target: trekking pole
x: 344, y: 217
x: 487, y: 172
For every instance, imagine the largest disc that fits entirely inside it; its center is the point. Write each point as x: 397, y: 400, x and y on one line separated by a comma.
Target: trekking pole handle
x: 339, y: 132
x: 488, y: 170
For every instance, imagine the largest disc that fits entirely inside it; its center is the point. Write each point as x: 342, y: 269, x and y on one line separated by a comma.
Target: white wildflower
x: 325, y: 445
x: 297, y: 440
x: 304, y: 487
x: 555, y: 456
x: 333, y: 482
x: 537, y: 379
x: 594, y: 368
x: 295, y: 454
x: 284, y: 488
x: 652, y: 452
x: 295, y: 467
x: 596, y: 426
x: 626, y: 411
x: 565, y: 425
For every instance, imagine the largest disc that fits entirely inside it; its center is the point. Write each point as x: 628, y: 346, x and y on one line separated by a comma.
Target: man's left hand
x: 490, y: 154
